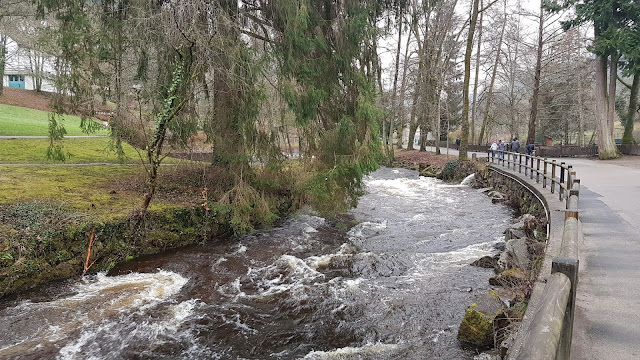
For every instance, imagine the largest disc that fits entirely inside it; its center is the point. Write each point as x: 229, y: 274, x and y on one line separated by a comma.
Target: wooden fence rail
x: 548, y: 335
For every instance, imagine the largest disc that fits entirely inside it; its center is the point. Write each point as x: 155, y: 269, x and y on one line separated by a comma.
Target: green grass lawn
x: 80, y: 150
x: 21, y: 121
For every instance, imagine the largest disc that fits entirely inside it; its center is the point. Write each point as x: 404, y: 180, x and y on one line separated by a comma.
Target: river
x: 395, y: 286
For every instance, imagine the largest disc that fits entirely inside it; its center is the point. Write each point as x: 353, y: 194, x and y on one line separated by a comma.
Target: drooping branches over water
x: 252, y: 77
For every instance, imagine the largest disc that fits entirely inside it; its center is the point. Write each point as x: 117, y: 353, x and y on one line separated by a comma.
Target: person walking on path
x: 515, y: 145
x: 502, y: 146
x: 493, y: 149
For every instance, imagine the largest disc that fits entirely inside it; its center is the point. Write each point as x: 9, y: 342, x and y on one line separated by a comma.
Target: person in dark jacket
x: 530, y: 149
x: 515, y: 145
x: 502, y: 146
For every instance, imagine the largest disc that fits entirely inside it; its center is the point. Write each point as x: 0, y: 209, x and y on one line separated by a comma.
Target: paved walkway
x: 607, y: 323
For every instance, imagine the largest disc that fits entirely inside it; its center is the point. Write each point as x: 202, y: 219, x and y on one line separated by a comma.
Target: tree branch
x: 624, y: 83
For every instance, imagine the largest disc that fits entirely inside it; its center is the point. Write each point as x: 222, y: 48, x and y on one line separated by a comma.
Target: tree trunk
x: 394, y: 97
x: 3, y: 60
x: 627, y: 139
x: 606, y: 145
x: 485, y: 117
x: 403, y: 90
x: 413, y: 127
x: 611, y: 96
x: 531, y: 133
x: 464, y: 141
x: 425, y: 83
x: 437, y: 121
x: 474, y: 105
x: 423, y: 139
x: 413, y: 123
x: 580, y: 115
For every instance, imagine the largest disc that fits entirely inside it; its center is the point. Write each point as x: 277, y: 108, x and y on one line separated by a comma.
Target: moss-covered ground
x: 77, y: 151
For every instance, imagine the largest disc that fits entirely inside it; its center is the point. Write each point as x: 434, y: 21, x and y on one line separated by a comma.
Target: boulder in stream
x: 488, y: 262
x: 478, y: 327
x: 512, y: 233
x: 519, y: 252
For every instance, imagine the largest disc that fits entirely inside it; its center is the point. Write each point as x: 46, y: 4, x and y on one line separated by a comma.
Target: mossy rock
x: 478, y: 325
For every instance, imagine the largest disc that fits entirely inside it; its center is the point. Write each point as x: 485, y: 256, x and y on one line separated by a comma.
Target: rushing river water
x: 394, y: 287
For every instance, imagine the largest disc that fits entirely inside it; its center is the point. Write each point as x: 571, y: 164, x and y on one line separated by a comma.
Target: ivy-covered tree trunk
x: 173, y: 102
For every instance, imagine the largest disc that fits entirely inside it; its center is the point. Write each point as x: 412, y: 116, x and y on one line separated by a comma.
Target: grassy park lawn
x: 20, y: 121
x: 79, y: 150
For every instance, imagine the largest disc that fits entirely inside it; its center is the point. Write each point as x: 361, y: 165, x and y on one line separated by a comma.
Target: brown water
x: 394, y: 287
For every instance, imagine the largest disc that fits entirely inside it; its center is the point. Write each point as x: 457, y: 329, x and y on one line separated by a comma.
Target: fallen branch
x: 86, y: 263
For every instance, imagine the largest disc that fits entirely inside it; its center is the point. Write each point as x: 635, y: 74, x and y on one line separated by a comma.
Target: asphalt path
x: 607, y: 322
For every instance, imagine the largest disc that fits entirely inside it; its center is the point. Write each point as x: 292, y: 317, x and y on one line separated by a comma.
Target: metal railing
x: 559, y: 175
x: 549, y: 333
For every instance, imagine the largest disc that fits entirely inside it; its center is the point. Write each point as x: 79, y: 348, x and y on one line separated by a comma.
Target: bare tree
x: 499, y: 55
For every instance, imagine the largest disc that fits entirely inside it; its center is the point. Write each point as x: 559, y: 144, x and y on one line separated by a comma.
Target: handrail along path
x: 547, y: 329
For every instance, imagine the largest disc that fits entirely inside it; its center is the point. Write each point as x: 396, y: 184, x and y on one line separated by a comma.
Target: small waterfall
x: 467, y: 181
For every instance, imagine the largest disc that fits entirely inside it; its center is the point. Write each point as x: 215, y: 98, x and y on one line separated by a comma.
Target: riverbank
x: 444, y: 167
x: 46, y: 230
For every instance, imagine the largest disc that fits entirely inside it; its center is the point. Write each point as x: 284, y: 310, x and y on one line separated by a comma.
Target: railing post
x: 569, y: 267
x: 544, y: 174
x: 537, y: 170
x: 570, y: 175
x: 553, y: 176
x: 561, y: 191
x: 574, y: 193
x: 519, y: 162
x: 530, y: 166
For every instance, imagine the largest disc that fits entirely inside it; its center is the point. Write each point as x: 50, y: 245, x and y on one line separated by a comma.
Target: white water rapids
x: 394, y: 286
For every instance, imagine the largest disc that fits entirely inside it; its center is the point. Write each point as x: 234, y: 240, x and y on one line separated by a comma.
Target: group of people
x: 513, y: 147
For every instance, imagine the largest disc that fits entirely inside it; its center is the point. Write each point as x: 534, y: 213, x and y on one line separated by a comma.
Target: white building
x: 23, y: 64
